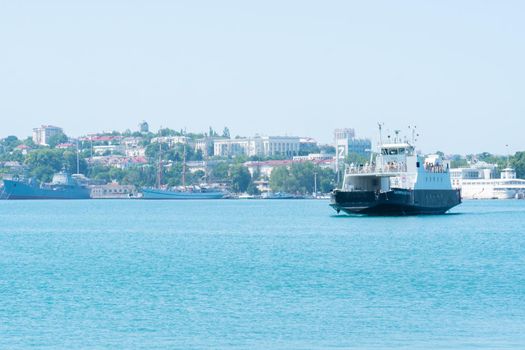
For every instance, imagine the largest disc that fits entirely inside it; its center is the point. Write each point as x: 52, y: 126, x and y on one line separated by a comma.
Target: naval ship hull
x: 395, y: 202
x: 19, y: 190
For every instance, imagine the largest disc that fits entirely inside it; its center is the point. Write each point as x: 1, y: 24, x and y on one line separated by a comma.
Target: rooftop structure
x: 144, y: 127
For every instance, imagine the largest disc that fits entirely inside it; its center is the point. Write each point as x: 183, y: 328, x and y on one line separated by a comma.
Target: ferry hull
x: 395, y: 202
x: 20, y: 190
x: 164, y: 194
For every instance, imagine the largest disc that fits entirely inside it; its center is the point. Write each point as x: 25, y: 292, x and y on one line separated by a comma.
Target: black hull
x: 395, y: 202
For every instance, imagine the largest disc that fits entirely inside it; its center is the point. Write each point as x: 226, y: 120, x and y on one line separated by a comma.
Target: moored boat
x: 477, y: 182
x: 63, y: 186
x: 194, y: 193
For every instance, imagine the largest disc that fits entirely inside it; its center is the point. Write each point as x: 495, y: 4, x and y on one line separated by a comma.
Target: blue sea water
x: 259, y: 275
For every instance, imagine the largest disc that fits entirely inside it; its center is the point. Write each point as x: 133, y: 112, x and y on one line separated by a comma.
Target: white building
x: 171, y: 140
x: 265, y: 146
x: 42, y: 134
x: 232, y: 147
x: 205, y: 146
x: 108, y: 149
x: 132, y: 147
x: 280, y: 145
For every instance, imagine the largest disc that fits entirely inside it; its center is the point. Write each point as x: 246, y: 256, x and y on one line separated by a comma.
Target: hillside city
x: 120, y: 163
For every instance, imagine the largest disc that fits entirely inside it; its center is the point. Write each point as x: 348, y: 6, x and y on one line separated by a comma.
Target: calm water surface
x: 258, y: 275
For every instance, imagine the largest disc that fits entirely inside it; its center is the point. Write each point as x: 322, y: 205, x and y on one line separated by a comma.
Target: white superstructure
x: 397, y: 166
x: 479, y: 183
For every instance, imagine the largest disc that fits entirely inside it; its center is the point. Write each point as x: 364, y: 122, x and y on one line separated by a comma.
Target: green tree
x: 307, y: 148
x: 140, y: 176
x: 356, y: 158
x: 9, y: 143
x: 300, y: 178
x: 518, y: 162
x: 116, y: 174
x: 458, y: 163
x: 99, y: 172
x: 57, y: 139
x: 69, y: 162
x: 169, y: 132
x: 220, y: 171
x: 327, y: 149
x: 240, y: 178
x: 44, y: 161
x: 280, y: 179
x: 152, y: 151
x: 252, y: 189
x: 43, y: 173
x: 29, y: 142
x: 199, y: 176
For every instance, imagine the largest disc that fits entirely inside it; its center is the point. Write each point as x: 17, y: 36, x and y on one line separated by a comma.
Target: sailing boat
x: 185, y: 192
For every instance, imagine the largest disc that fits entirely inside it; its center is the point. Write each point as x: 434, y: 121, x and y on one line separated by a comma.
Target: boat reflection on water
x: 280, y: 195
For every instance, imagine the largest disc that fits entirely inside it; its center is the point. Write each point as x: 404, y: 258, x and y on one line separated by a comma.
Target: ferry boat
x: 63, y: 186
x: 397, y: 181
x: 477, y: 182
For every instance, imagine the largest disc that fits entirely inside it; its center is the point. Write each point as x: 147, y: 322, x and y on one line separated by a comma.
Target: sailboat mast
x: 159, y: 169
x: 78, y: 159
x: 184, y: 164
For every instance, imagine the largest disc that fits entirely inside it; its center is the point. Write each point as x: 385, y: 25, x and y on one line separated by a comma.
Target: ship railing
x: 373, y: 169
x: 436, y: 168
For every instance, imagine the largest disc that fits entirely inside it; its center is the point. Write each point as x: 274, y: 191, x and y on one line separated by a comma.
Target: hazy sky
x: 453, y: 68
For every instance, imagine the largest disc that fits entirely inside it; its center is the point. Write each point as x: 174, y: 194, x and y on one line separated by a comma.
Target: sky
x: 456, y: 69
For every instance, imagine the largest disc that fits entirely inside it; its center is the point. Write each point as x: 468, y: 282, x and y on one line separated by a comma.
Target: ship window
x: 384, y: 151
x: 401, y: 151
x: 393, y: 151
x: 417, y: 164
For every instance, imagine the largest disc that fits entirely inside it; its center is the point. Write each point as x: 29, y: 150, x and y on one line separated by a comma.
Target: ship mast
x: 78, y: 159
x: 380, y: 126
x: 159, y: 169
x: 414, y: 134
x: 184, y: 162
x: 397, y: 139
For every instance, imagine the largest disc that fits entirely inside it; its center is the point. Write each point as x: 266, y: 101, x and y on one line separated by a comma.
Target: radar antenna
x: 396, y: 138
